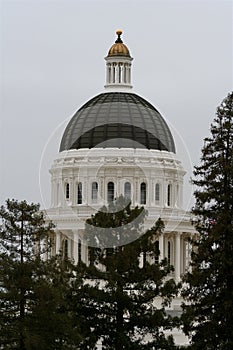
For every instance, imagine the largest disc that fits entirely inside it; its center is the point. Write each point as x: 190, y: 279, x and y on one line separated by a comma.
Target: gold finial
x: 119, y: 32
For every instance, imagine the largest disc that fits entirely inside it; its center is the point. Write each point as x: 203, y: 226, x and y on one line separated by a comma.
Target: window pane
x: 169, y: 195
x: 169, y: 253
x: 94, y: 192
x: 110, y: 191
x: 67, y: 191
x: 157, y: 192
x: 127, y: 190
x: 80, y: 194
x: 143, y: 193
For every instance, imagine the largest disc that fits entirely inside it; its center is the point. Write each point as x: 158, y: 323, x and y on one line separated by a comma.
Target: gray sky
x: 52, y: 61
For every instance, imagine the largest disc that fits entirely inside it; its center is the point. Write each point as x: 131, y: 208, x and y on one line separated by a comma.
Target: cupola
x: 118, y: 66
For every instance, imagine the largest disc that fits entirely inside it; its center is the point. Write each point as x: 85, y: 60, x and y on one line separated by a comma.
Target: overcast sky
x: 52, y: 62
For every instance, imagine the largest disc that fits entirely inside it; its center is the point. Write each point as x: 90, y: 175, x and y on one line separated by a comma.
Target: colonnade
x: 118, y: 73
x: 174, y: 246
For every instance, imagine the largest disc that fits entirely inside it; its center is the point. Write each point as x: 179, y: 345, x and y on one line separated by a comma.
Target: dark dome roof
x: 117, y: 119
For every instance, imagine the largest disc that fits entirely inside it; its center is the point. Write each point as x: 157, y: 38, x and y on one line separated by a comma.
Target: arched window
x: 127, y: 190
x: 110, y: 191
x: 143, y: 193
x: 79, y: 193
x: 94, y: 192
x: 169, y: 188
x: 157, y: 193
x: 67, y: 191
x: 169, y: 252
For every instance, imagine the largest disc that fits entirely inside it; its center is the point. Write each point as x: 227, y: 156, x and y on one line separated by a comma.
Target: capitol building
x: 118, y: 143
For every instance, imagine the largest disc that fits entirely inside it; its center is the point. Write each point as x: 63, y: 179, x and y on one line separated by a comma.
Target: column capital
x: 178, y: 234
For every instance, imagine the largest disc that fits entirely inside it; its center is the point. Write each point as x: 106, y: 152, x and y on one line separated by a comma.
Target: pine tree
x: 33, y: 290
x: 208, y: 315
x: 50, y: 323
x: 124, y: 281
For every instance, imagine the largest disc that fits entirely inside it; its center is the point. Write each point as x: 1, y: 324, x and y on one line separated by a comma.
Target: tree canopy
x: 35, y: 309
x: 208, y: 315
x: 123, y: 281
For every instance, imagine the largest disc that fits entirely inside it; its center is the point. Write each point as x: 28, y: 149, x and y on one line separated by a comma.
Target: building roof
x: 117, y: 119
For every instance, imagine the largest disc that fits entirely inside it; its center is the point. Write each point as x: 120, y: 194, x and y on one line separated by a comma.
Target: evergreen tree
x: 33, y: 290
x: 122, y: 282
x: 208, y: 315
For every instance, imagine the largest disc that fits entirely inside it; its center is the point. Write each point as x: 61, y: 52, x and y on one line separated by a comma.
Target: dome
x: 117, y: 119
x: 119, y: 49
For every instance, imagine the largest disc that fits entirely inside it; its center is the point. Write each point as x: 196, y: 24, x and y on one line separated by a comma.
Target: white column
x: 116, y: 74
x: 75, y: 244
x: 107, y: 74
x: 129, y: 74
x: 181, y: 255
x: 52, y: 193
x: 124, y: 73
x: 58, y: 242
x: 112, y: 73
x: 63, y: 193
x: 177, y: 198
x: 161, y: 247
x: 72, y: 185
x: 177, y: 257
x: 84, y: 253
x: 60, y: 194
x: 181, y: 193
x: 56, y: 189
x: 70, y: 244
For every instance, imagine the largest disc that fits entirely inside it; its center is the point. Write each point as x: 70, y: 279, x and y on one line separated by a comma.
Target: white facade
x: 80, y: 181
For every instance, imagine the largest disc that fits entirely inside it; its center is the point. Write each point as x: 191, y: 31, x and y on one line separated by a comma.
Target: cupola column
x: 112, y: 73
x: 108, y: 73
x: 116, y: 78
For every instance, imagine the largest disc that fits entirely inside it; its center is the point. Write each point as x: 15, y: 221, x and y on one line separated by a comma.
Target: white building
x: 118, y: 143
